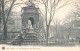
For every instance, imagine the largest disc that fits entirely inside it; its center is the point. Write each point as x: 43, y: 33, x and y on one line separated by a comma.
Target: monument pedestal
x: 31, y: 37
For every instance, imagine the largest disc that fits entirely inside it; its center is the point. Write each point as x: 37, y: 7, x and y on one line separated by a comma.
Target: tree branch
x: 42, y: 15
x: 10, y: 9
x: 62, y: 6
x: 18, y: 4
x: 23, y: 1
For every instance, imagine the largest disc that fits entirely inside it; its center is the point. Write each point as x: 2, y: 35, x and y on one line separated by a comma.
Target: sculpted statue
x: 30, y: 24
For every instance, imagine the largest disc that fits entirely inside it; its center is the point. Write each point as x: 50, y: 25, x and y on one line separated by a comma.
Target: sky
x: 60, y: 13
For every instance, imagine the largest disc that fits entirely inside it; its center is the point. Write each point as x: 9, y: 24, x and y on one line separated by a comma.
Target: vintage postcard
x: 40, y: 25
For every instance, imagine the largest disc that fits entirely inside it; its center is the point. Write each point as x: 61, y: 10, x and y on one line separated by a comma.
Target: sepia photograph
x: 40, y: 24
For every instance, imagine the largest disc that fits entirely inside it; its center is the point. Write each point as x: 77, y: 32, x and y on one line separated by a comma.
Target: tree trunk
x: 0, y: 15
x: 47, y: 34
x: 5, y: 32
x: 69, y: 31
x: 0, y: 20
x: 4, y: 23
x: 56, y: 30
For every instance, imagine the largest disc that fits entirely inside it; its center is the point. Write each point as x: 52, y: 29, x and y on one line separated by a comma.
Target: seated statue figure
x: 30, y: 24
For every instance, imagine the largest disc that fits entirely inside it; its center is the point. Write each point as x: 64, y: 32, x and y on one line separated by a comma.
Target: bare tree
x: 72, y: 19
x: 57, y: 26
x: 0, y: 12
x: 68, y: 22
x: 50, y: 9
x: 77, y: 10
x: 6, y: 11
x: 0, y: 15
x: 5, y: 16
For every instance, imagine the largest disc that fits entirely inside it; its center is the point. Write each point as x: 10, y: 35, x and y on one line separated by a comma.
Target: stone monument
x: 30, y: 23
